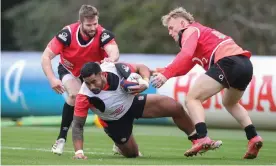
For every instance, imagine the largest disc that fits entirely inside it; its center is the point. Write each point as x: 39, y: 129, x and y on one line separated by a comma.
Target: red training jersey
x: 75, y: 49
x: 201, y: 45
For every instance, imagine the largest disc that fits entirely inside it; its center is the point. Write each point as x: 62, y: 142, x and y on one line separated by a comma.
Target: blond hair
x: 177, y: 12
x: 87, y: 11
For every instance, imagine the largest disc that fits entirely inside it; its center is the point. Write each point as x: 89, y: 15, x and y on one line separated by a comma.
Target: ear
x: 183, y: 25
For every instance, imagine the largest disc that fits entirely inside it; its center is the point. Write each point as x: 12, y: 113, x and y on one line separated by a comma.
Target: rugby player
x: 80, y: 42
x: 227, y: 67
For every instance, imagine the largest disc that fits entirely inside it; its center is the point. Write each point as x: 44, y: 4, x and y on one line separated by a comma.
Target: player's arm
x: 80, y: 113
x: 54, y: 47
x: 46, y: 64
x: 141, y: 69
x: 126, y: 69
x: 110, y: 46
x: 183, y: 63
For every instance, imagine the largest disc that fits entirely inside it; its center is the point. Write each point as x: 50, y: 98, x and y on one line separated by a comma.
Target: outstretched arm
x: 80, y: 113
x: 77, y: 133
x: 183, y: 63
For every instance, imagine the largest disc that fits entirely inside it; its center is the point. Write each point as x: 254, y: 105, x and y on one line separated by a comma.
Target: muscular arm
x: 53, y: 48
x: 143, y: 70
x: 80, y: 113
x: 77, y: 132
x: 46, y: 64
x: 112, y: 50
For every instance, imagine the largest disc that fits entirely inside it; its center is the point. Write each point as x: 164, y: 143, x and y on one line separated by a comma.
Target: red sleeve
x: 183, y: 63
x: 82, y: 105
x: 55, y: 45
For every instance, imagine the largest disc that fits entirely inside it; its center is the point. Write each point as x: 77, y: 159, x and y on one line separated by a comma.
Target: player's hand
x: 80, y: 156
x: 158, y: 80
x: 106, y: 60
x: 136, y: 89
x: 57, y: 86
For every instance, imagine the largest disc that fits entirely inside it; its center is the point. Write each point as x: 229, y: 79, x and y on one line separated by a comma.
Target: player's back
x: 208, y: 42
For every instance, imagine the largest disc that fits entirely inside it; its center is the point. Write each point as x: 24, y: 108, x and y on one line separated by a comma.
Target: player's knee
x: 228, y: 103
x: 131, y: 155
x: 72, y: 96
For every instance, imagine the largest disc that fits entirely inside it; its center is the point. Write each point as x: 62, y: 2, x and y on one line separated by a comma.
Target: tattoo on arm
x: 77, y: 131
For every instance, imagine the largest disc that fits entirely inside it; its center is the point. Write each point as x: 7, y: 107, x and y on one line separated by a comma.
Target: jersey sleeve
x: 82, y: 105
x: 64, y: 37
x: 183, y: 63
x: 55, y: 46
x: 106, y: 37
x: 125, y: 69
x: 60, y: 41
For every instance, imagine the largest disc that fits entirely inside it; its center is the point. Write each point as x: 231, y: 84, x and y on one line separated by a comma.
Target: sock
x: 67, y: 118
x: 250, y: 131
x: 201, y: 129
x: 193, y: 137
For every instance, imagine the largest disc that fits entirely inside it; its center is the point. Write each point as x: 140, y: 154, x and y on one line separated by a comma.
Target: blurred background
x: 28, y: 26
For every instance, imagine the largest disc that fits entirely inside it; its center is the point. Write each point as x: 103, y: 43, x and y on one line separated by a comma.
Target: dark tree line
x: 137, y: 25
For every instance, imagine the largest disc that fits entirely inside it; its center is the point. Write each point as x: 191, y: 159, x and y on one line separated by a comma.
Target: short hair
x: 89, y: 69
x: 87, y: 11
x: 177, y: 12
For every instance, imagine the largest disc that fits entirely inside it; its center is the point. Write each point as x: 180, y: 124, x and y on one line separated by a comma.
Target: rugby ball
x: 132, y: 80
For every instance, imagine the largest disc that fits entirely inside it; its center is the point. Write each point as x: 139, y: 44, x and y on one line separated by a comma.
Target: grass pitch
x: 160, y: 145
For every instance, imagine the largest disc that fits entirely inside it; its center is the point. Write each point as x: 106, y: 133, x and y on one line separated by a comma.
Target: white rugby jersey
x: 115, y: 102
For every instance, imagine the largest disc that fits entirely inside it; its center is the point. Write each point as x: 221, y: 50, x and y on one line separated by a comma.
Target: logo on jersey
x: 118, y: 111
x: 123, y: 140
x: 141, y: 98
x: 125, y: 67
x: 63, y: 36
x: 221, y: 77
x: 104, y: 37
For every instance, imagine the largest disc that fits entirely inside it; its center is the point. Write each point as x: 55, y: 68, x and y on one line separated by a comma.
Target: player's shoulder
x: 65, y: 34
x: 124, y: 69
x: 106, y: 36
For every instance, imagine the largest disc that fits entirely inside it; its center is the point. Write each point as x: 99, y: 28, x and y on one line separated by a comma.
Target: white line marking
x: 45, y: 150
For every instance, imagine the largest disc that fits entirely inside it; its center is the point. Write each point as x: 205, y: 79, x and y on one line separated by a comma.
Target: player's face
x: 95, y: 83
x: 174, y: 26
x: 89, y: 26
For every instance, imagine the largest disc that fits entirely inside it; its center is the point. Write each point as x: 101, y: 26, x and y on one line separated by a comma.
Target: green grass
x: 160, y: 145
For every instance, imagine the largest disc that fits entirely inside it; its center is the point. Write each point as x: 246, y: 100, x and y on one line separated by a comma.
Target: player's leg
x: 120, y: 131
x: 231, y: 99
x: 72, y: 86
x: 128, y: 149
x: 207, y: 85
x: 162, y: 106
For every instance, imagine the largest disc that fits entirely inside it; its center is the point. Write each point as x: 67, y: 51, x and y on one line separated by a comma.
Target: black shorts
x: 233, y: 71
x: 120, y: 130
x: 62, y: 71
